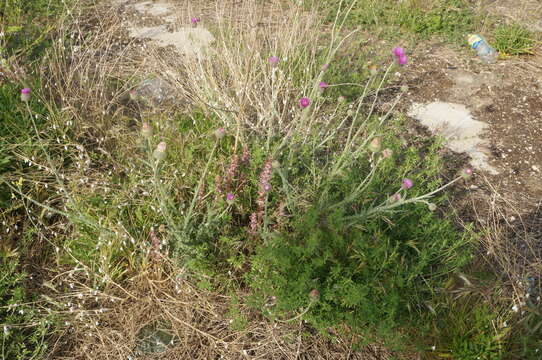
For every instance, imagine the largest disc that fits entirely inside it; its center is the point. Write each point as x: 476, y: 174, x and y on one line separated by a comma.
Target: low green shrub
x: 23, y: 327
x: 375, y: 275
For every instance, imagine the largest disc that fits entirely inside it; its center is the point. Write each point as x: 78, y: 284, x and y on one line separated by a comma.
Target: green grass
x: 26, y: 28
x: 448, y: 19
x: 513, y: 40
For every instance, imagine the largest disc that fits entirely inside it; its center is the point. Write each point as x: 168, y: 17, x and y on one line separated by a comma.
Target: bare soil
x: 505, y: 95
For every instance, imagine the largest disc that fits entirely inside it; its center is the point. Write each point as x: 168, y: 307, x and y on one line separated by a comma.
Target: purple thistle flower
x: 322, y: 85
x: 230, y: 197
x: 399, y: 51
x: 304, y: 102
x: 402, y: 60
x: 407, y: 184
x: 273, y: 60
x: 195, y: 21
x: 25, y: 94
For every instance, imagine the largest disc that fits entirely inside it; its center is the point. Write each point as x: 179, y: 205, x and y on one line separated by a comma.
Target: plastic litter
x: 152, y: 339
x: 485, y: 52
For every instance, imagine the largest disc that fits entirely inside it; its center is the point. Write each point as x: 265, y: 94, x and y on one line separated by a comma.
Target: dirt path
x: 505, y: 96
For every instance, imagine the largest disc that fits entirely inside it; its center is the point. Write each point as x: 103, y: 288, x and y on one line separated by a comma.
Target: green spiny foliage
x: 374, y: 276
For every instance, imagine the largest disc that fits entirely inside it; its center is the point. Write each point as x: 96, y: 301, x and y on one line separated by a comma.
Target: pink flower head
x: 324, y: 67
x: 304, y: 102
x: 402, y: 60
x: 25, y: 94
x: 267, y: 187
x: 273, y: 60
x: 322, y: 85
x: 230, y: 197
x: 220, y: 133
x: 407, y: 184
x: 395, y: 198
x: 466, y: 173
x: 195, y: 20
x: 399, y: 51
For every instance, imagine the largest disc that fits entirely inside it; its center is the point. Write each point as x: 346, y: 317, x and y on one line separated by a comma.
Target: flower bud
x: 466, y: 173
x: 25, y: 94
x: 220, y: 133
x: 402, y: 60
x: 395, y: 198
x: 229, y: 198
x: 341, y: 99
x: 314, y: 295
x: 275, y: 164
x: 160, y: 151
x: 399, y: 51
x: 195, y: 21
x: 387, y: 153
x: 375, y: 145
x: 146, y: 130
x: 432, y: 207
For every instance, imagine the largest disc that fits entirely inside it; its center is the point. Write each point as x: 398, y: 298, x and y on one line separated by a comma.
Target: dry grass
x: 200, y: 321
x: 512, y: 241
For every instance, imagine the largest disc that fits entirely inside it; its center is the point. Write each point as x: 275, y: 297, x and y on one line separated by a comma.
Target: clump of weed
x: 375, y: 276
x: 23, y: 328
x: 511, y: 40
